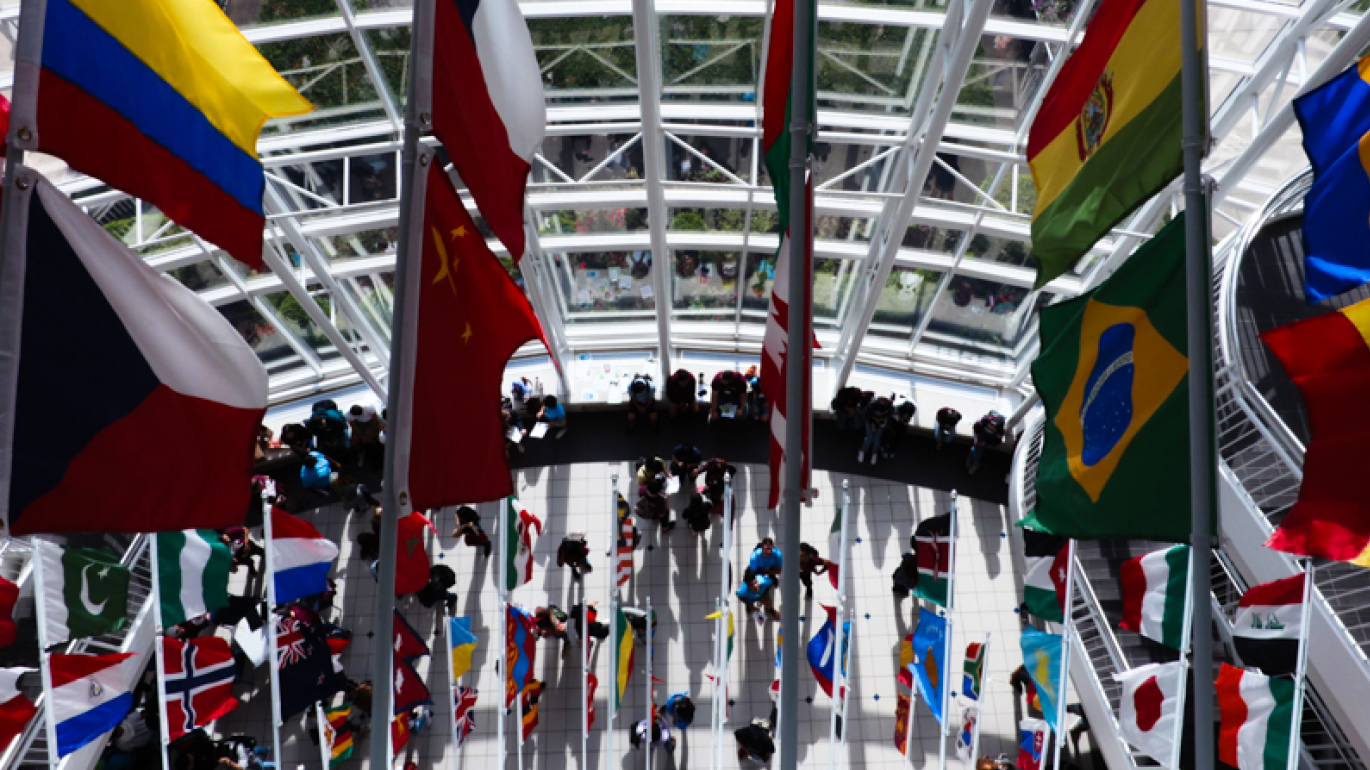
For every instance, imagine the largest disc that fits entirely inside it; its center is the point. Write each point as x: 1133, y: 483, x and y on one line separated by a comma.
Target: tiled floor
x: 681, y: 575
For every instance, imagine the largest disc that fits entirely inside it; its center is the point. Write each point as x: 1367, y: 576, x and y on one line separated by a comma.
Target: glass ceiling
x: 945, y: 292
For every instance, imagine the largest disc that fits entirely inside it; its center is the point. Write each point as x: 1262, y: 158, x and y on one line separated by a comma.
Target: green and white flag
x: 1154, y: 593
x: 82, y: 592
x: 192, y: 574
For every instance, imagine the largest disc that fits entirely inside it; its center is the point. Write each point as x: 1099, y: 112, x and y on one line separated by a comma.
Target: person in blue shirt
x: 766, y: 559
x: 680, y: 709
x: 554, y: 414
x: 757, y: 589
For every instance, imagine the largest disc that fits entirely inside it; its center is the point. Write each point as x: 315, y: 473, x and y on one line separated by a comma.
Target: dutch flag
x: 300, y: 557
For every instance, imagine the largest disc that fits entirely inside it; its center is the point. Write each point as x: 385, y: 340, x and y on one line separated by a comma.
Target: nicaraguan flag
x: 300, y: 557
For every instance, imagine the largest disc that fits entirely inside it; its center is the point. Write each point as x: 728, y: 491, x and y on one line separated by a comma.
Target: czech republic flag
x: 127, y: 404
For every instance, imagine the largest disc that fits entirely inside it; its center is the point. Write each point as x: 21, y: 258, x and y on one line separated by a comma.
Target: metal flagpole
x: 647, y: 759
x: 1186, y: 640
x: 44, y: 657
x: 715, y: 723
x: 502, y: 621
x: 451, y: 688
x: 846, y: 701
x: 908, y: 720
x: 273, y: 652
x: 946, y: 642
x: 518, y: 723
x: 161, y: 654
x: 1199, y: 318
x: 838, y: 675
x: 325, y: 743
x: 407, y: 258
x: 616, y: 528
x: 979, y: 715
x: 1067, y: 615
x: 585, y: 671
x: 1301, y: 670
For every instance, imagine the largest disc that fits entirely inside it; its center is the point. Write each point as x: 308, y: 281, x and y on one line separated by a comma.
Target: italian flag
x: 1153, y: 594
x: 1257, y: 719
x: 623, y: 655
x: 1044, y: 584
x: 519, y: 529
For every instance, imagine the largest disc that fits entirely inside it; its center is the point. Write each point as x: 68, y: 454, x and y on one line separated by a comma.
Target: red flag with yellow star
x: 463, y: 318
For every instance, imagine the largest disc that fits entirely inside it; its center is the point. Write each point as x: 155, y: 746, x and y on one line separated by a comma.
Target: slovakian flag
x: 1044, y: 581
x: 1267, y: 625
x: 775, y: 142
x: 198, y: 682
x: 623, y: 548
x: 133, y: 363
x: 822, y: 650
x: 521, y: 651
x: 519, y: 530
x: 1257, y: 719
x: 463, y: 319
x: 1328, y: 358
x: 184, y: 117
x: 300, y: 557
x: 1153, y: 594
x: 933, y: 544
x: 90, y: 695
x: 1149, y: 708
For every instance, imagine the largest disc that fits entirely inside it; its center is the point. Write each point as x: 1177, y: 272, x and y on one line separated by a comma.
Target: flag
x: 930, y: 646
x: 531, y: 695
x: 965, y: 740
x: 1042, y: 660
x: 1113, y: 377
x: 300, y: 557
x: 519, y: 528
x: 1153, y: 595
x: 463, y: 645
x: 821, y: 650
x: 1032, y: 742
x: 253, y: 642
x: 974, y: 670
x: 1044, y: 582
x: 410, y: 691
x: 1328, y: 358
x: 84, y: 592
x: 464, y: 714
x: 9, y: 596
x: 775, y: 143
x: 192, y: 571
x: 1334, y: 119
x: 307, y: 673
x: 184, y: 118
x: 411, y: 555
x: 16, y: 710
x: 1107, y: 137
x: 933, y: 541
x: 622, y: 655
x: 591, y: 684
x: 624, y: 547
x: 488, y: 107
x: 1149, y: 707
x: 90, y: 695
x: 408, y: 644
x: 1257, y: 716
x: 399, y: 734
x: 520, y: 651
x: 198, y: 682
x: 463, y: 320
x: 903, y: 712
x: 133, y: 363
x: 338, y: 734
x: 1267, y: 625
x: 837, y: 549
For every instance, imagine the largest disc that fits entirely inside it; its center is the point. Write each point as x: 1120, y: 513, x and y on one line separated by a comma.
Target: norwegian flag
x: 623, y: 563
x: 198, y: 680
x: 290, y: 642
x: 464, y: 715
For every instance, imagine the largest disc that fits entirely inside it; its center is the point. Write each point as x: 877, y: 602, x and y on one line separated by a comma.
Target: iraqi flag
x: 90, y: 695
x: 520, y: 528
x: 300, y: 557
x: 463, y: 317
x: 1044, y: 582
x: 1153, y: 594
x: 822, y: 647
x: 131, y: 363
x: 1149, y: 708
x: 197, y: 677
x: 1266, y: 627
x: 1257, y: 719
x: 488, y: 108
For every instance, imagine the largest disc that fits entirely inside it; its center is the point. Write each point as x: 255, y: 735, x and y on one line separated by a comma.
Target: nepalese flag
x: 488, y: 108
x: 1149, y: 707
x: 90, y: 695
x: 520, y: 652
x: 623, y: 559
x: 399, y: 734
x: 408, y: 644
x: 1032, y: 742
x: 821, y: 650
x: 932, y: 539
x: 185, y: 117
x: 1267, y: 625
x: 134, y: 363
x: 974, y: 670
x: 1257, y: 719
x: 520, y: 526
x: 410, y: 691
x: 1154, y: 594
x: 300, y: 557
x: 197, y: 677
x: 464, y: 712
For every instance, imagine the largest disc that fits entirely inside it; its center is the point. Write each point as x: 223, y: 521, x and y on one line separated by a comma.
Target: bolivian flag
x: 1108, y: 134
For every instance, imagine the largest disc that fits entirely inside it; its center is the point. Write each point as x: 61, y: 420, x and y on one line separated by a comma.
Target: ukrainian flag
x: 1335, y: 118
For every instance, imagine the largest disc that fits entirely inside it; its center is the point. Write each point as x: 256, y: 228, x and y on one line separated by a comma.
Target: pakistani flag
x: 1113, y: 375
x: 83, y: 592
x: 1044, y: 583
x: 1153, y: 595
x: 192, y: 574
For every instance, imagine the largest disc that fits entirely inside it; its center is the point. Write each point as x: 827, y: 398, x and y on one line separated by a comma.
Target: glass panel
x: 718, y: 220
x: 361, y: 6
x: 1005, y: 251
x: 833, y: 160
x: 983, y: 316
x: 710, y: 58
x: 328, y: 71
x: 732, y: 153
x: 278, y: 11
x: 619, y: 220
x: 323, y: 178
x: 293, y: 315
x: 390, y: 46
x: 1002, y: 80
x: 359, y: 245
x: 576, y: 156
x: 929, y: 238
x: 375, y: 296
x: 704, y: 285
x: 871, y: 66
x: 833, y: 281
x: 903, y: 301
x: 832, y: 228
x: 270, y: 346
x: 373, y: 178
x: 586, y: 59
x: 604, y: 286
x: 200, y: 276
x: 1057, y: 13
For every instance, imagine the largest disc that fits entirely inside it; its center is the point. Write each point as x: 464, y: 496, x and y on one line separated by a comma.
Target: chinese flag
x: 464, y: 318
x: 411, y: 555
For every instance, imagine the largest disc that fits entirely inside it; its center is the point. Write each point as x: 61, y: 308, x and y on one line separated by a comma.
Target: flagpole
x: 44, y: 657
x: 502, y: 710
x: 838, y: 678
x: 908, y: 720
x: 325, y: 745
x: 274, y: 670
x: 1301, y: 669
x: 1199, y: 319
x: 160, y: 653
x: 946, y: 642
x: 1068, y: 627
x: 617, y: 527
x: 647, y: 759
x: 585, y: 672
x: 518, y: 703
x: 1186, y: 640
x: 846, y: 699
x: 451, y: 688
x: 416, y: 119
x: 979, y: 715
x: 715, y: 725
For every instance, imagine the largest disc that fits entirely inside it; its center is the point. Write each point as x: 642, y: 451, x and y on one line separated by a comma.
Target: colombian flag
x: 1328, y: 357
x: 164, y: 100
x: 1108, y: 134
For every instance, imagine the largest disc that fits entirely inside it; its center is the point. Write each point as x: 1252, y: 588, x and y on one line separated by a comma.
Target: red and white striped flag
x: 623, y: 558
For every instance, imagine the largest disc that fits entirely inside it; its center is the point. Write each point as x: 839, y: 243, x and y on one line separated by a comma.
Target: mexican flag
x: 192, y: 574
x: 83, y: 592
x: 1257, y: 719
x: 1153, y: 594
x: 1044, y: 584
x: 519, y: 529
x: 623, y: 655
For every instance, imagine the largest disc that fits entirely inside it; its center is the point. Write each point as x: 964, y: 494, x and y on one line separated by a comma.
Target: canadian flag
x: 1149, y: 711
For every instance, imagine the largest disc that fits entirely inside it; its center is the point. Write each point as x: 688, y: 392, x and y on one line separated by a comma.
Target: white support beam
x: 645, y: 27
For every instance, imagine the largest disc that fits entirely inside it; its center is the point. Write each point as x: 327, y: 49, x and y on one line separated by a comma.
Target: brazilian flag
x: 1113, y: 376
